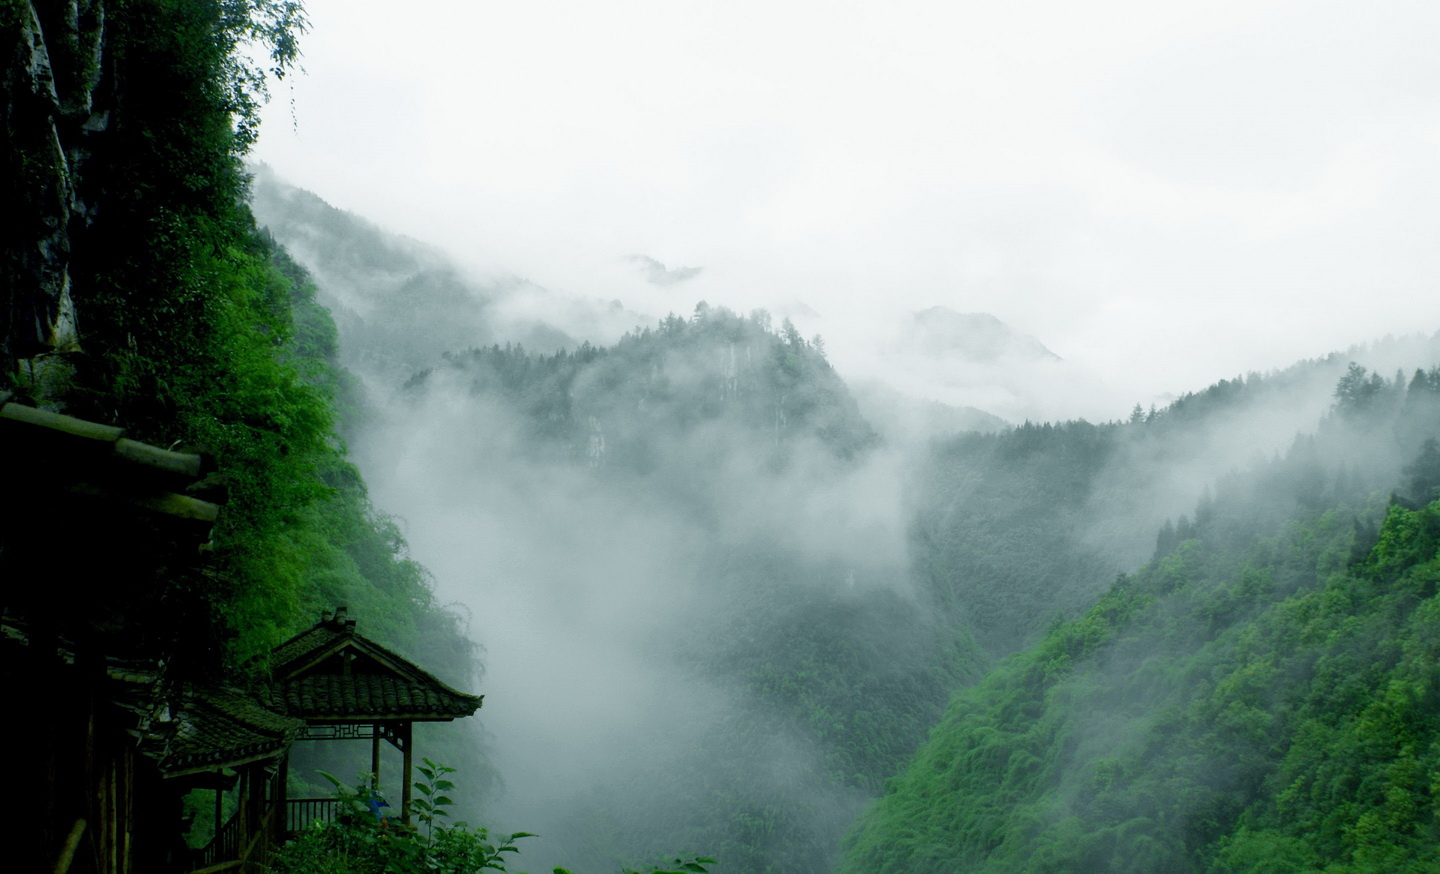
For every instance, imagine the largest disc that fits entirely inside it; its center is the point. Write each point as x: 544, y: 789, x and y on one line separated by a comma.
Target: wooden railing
x: 231, y: 851
x: 224, y: 847
x: 300, y: 813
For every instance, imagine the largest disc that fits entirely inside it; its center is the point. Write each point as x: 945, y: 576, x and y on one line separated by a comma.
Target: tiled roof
x: 331, y: 673
x: 337, y: 696
x: 307, y: 645
x: 216, y: 727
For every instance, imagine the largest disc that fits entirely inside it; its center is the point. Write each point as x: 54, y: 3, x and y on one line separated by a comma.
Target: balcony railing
x: 233, y: 849
x: 301, y: 813
x: 224, y: 847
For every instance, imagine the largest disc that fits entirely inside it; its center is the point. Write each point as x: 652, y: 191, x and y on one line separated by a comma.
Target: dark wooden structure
x: 219, y: 730
x: 102, y: 579
x: 345, y: 686
x: 101, y: 536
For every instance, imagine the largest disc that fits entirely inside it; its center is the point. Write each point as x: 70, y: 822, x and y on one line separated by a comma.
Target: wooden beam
x: 282, y: 799
x: 179, y: 464
x: 78, y: 428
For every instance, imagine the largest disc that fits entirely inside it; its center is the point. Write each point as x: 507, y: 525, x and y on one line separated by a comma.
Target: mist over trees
x: 1255, y: 697
x: 706, y: 491
x: 722, y: 611
x: 786, y: 594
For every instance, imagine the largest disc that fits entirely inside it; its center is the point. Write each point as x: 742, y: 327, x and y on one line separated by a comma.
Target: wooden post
x: 375, y: 758
x: 405, y: 736
x: 242, y: 808
x: 282, y: 799
x: 219, y: 804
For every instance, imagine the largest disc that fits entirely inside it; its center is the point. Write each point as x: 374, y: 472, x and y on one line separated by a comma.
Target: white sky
x: 1166, y: 192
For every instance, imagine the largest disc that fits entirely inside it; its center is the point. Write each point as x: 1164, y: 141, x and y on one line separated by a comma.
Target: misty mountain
x: 975, y: 360
x: 977, y: 338
x: 657, y: 273
x: 628, y: 404
x: 401, y: 303
x: 757, y: 588
x: 700, y: 509
x: 1020, y: 527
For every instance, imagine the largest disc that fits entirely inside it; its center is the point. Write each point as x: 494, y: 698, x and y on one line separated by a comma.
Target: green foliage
x: 363, y: 841
x: 1424, y: 472
x: 835, y: 670
x: 1359, y: 393
x: 198, y: 333
x: 1247, y: 702
x: 1000, y: 528
x: 1016, y: 528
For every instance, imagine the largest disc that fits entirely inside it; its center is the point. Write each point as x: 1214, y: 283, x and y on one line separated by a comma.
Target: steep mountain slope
x: 1016, y: 529
x: 1255, y: 698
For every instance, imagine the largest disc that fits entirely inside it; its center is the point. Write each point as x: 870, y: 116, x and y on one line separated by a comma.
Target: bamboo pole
x: 72, y: 843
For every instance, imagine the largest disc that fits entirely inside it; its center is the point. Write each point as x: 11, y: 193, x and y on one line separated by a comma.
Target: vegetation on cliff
x: 191, y: 328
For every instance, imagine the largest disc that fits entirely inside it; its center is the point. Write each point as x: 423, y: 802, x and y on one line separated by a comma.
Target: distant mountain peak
x: 656, y: 273
x: 975, y: 337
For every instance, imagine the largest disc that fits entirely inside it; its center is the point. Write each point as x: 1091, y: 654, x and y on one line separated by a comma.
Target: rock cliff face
x: 57, y: 112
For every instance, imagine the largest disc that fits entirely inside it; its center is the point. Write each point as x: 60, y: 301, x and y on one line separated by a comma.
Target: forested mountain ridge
x: 1253, y: 699
x: 603, y: 402
x: 1014, y: 529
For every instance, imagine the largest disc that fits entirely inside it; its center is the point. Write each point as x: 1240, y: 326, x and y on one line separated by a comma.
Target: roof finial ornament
x: 341, y: 622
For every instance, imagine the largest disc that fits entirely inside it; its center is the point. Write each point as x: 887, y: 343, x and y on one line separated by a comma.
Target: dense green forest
x: 1016, y: 529
x: 1258, y: 697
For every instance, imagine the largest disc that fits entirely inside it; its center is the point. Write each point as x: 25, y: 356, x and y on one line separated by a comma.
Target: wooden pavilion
x: 344, y: 686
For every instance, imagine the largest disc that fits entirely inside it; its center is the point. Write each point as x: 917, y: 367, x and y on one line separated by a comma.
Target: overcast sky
x: 1166, y: 192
